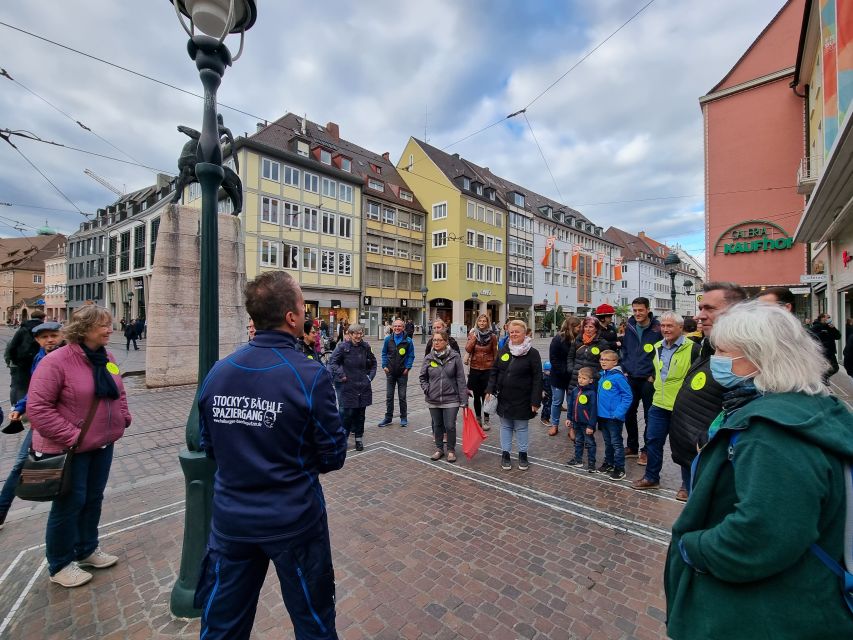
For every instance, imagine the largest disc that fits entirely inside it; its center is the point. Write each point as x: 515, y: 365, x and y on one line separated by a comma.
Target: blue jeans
x: 557, y: 397
x: 685, y: 478
x: 400, y: 382
x: 444, y: 421
x: 583, y: 440
x: 519, y: 427
x: 8, y: 492
x: 72, y: 526
x: 614, y: 451
x: 656, y: 433
x: 233, y: 573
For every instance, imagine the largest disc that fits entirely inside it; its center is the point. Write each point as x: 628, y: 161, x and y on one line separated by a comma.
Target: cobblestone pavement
x: 421, y: 549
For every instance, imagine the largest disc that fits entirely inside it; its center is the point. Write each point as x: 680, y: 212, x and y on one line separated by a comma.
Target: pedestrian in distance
x: 76, y: 384
x: 442, y: 379
x: 353, y: 367
x: 140, y: 328
x: 268, y: 417
x: 20, y: 352
x: 827, y: 334
x: 130, y: 335
x: 48, y: 335
x: 516, y: 380
x: 440, y: 325
x: 642, y: 332
x: 481, y: 349
x: 410, y: 328
x: 614, y: 398
x: 583, y: 418
x: 673, y: 357
x: 398, y: 357
x: 755, y: 549
x: 305, y: 344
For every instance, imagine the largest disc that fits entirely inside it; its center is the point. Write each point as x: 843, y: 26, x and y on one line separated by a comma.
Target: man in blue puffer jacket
x: 268, y: 417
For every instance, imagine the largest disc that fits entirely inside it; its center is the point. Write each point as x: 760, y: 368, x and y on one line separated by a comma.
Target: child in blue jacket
x: 583, y: 417
x: 614, y: 399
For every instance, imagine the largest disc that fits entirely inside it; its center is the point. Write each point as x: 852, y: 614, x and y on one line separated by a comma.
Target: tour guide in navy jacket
x: 269, y: 418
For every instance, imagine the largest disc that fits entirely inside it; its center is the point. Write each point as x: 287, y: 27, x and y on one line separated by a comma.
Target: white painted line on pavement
x: 8, y: 619
x: 468, y: 473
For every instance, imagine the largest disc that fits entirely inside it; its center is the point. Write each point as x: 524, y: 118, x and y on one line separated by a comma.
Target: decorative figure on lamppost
x: 211, y: 57
x: 672, y: 261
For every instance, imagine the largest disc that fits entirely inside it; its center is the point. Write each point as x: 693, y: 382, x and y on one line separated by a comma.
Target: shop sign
x: 812, y: 278
x: 753, y: 236
x: 485, y: 292
x: 441, y: 302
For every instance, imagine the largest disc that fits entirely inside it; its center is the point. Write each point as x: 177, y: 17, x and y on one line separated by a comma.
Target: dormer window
x: 302, y: 148
x: 491, y: 193
x: 478, y: 188
x: 346, y: 164
x: 376, y: 169
x: 406, y: 195
x: 325, y: 157
x: 466, y: 183
x: 518, y: 199
x: 376, y: 184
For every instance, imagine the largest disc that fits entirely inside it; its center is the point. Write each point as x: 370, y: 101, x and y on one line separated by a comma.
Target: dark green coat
x: 748, y: 524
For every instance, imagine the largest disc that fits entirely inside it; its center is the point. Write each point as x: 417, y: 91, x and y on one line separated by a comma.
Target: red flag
x: 472, y: 433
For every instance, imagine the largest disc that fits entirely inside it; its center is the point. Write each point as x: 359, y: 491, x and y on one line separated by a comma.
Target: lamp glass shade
x: 211, y: 16
x: 672, y: 259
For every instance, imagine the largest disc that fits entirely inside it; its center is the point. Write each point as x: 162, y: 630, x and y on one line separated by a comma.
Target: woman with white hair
x: 768, y: 493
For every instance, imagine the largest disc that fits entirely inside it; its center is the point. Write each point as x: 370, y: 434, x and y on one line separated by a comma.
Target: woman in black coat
x: 586, y: 349
x: 561, y: 374
x: 516, y: 380
x: 353, y: 367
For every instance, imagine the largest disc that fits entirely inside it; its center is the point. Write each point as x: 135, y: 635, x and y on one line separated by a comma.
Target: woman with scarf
x: 586, y: 350
x: 516, y: 380
x: 442, y: 379
x: 754, y: 551
x: 70, y: 385
x: 482, y: 349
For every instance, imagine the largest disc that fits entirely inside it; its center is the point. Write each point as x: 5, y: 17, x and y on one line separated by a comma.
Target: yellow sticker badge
x: 607, y: 385
x: 310, y: 357
x: 433, y: 364
x: 595, y: 351
x: 112, y: 367
x: 583, y: 399
x: 648, y: 348
x: 402, y: 351
x: 505, y: 357
x: 698, y: 381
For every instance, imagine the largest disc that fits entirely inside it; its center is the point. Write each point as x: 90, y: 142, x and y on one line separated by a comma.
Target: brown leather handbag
x: 49, y: 477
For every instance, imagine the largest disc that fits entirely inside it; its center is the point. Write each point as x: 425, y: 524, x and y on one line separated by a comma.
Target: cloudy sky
x: 624, y: 125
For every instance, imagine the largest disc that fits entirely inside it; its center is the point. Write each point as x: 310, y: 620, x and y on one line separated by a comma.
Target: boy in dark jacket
x: 546, y: 394
x: 614, y: 398
x: 583, y: 416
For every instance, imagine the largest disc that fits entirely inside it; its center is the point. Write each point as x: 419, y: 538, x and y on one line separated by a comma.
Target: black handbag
x: 49, y: 477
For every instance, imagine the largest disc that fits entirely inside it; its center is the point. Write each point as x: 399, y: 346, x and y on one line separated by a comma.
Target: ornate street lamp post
x: 424, y: 292
x: 672, y: 261
x: 688, y: 289
x: 129, y: 313
x: 216, y: 18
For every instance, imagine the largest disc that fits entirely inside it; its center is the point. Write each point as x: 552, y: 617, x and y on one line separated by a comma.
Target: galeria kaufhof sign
x: 753, y: 236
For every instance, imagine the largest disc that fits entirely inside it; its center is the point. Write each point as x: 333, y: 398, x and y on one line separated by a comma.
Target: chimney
x: 387, y: 156
x: 641, y: 234
x: 260, y: 126
x: 333, y: 130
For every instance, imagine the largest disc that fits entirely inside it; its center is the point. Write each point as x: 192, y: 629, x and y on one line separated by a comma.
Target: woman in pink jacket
x: 62, y: 391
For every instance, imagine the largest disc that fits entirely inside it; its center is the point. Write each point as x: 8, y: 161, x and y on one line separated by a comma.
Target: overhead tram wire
x: 5, y: 73
x: 544, y: 159
x: 5, y: 137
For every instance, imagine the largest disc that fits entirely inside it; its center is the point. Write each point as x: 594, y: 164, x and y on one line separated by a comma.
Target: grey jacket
x: 444, y: 383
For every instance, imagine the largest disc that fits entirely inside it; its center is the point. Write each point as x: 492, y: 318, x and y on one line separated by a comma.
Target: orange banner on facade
x: 549, y: 247
x: 575, y: 253
x: 617, y: 269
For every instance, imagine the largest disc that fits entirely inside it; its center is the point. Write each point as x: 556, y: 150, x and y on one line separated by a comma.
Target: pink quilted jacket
x: 58, y: 400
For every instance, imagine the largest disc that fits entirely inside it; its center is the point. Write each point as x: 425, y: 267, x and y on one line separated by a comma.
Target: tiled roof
x: 28, y: 252
x: 632, y: 246
x: 280, y: 133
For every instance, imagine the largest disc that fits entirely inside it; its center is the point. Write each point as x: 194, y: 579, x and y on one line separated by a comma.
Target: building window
x: 329, y: 223
x: 327, y: 262
x: 481, y: 272
x: 312, y: 183
x: 138, y: 247
x: 291, y: 176
x: 291, y: 214
x: 490, y: 216
x: 417, y: 222
x: 344, y: 264
x: 269, y: 210
x: 439, y: 239
x: 124, y: 262
x: 518, y: 199
x: 376, y: 185
x: 466, y: 183
x: 499, y: 220
x: 373, y: 210
x: 499, y: 275
x: 372, y: 276
x: 481, y: 240
x: 439, y: 271
x: 389, y: 215
x: 470, y: 238
x: 270, y: 169
x: 325, y: 157
x: 290, y: 256
x: 111, y: 263
x: 330, y: 188
x: 471, y: 211
x: 309, y: 259
x: 490, y: 273
x: 346, y: 164
x: 37, y: 278
x: 193, y: 194
x: 372, y: 244
x: 490, y: 243
x: 345, y: 227
x: 481, y: 213
x: 499, y: 245
x: 388, y: 279
x: 469, y: 270
x: 439, y: 211
x: 479, y: 189
x: 407, y: 196
x: 310, y: 219
x: 302, y: 148
x: 388, y: 247
x: 269, y: 253
x: 345, y: 193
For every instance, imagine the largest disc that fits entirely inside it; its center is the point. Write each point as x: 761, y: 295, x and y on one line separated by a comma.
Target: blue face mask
x: 721, y: 370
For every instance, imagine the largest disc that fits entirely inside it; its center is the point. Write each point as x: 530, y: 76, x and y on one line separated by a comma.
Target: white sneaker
x: 71, y: 576
x: 98, y: 560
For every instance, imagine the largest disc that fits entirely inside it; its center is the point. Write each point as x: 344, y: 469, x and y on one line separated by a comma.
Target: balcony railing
x: 808, y: 173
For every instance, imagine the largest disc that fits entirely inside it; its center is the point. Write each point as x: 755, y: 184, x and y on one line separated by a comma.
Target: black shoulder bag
x: 47, y: 478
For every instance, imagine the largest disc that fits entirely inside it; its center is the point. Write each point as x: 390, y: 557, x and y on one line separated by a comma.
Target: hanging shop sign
x: 753, y: 236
